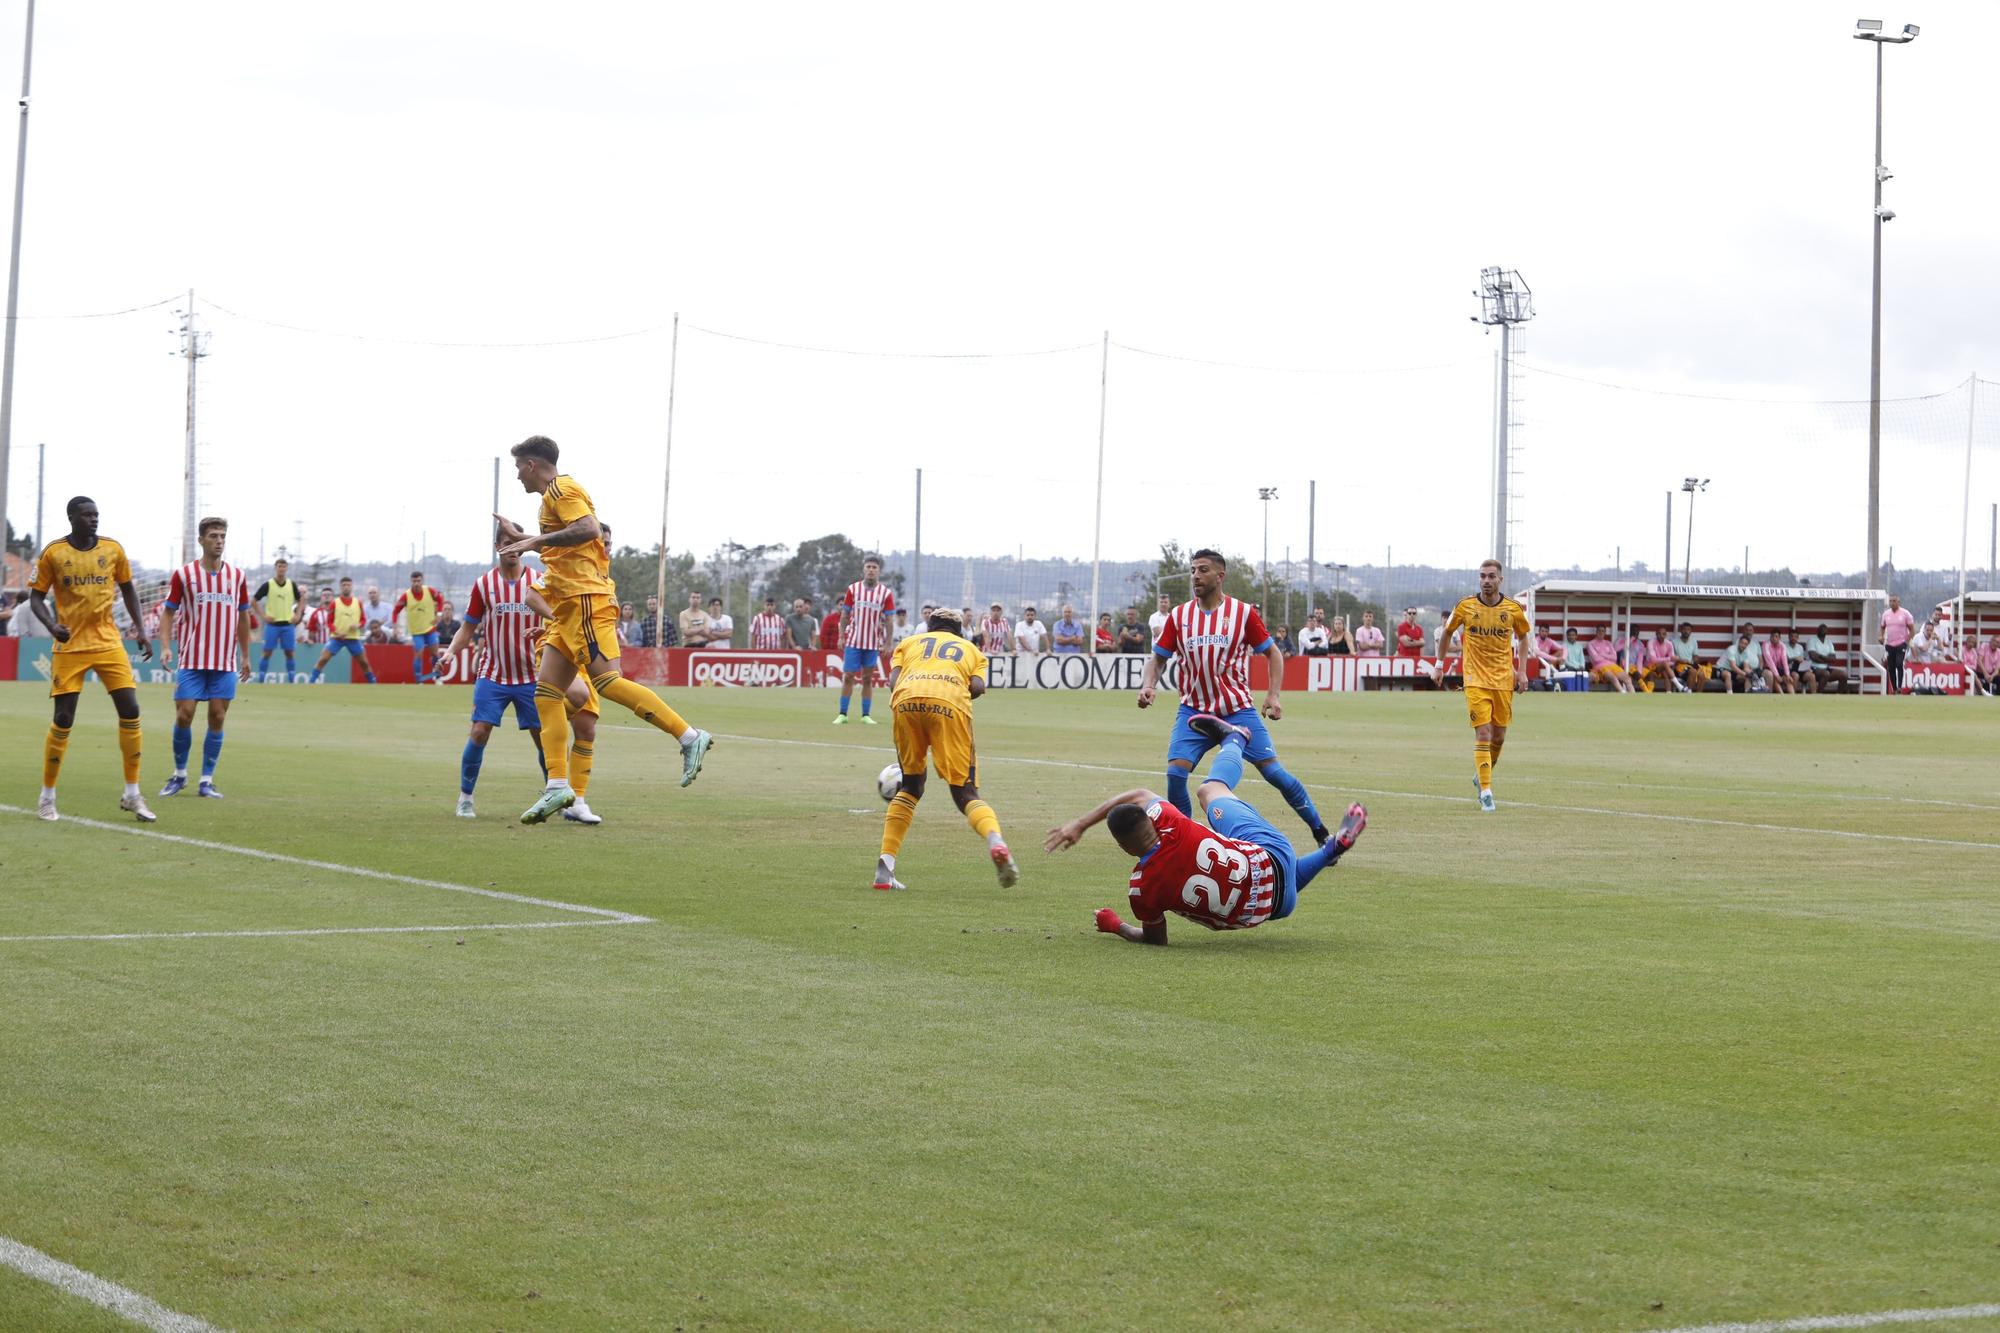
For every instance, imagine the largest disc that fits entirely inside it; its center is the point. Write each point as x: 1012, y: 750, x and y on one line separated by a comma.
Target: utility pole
x: 1312, y: 522
x: 1505, y: 300
x: 14, y: 281
x: 41, y: 486
x: 1870, y: 30
x: 917, y: 556
x: 194, y: 346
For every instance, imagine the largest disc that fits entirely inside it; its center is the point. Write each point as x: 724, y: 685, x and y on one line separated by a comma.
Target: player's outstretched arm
x: 1146, y: 932
x: 1068, y: 835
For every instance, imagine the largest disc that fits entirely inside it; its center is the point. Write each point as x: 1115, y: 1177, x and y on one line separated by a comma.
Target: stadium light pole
x: 1267, y: 494
x: 1870, y: 30
x: 1691, y: 486
x: 14, y: 273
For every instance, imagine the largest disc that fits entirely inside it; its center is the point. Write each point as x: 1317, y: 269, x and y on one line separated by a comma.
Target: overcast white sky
x: 1306, y: 187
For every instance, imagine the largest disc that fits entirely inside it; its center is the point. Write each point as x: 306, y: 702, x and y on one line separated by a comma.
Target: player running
x: 584, y: 630
x: 1237, y: 873
x: 209, y: 602
x: 283, y: 608
x: 1493, y: 670
x: 1214, y: 636
x: 933, y: 680
x: 423, y: 603
x: 347, y: 626
x: 865, y: 614
x: 82, y: 570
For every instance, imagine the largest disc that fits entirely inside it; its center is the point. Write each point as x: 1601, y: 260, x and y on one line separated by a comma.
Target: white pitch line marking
x: 316, y: 930
x: 73, y: 1281
x: 1810, y: 1322
x: 1438, y: 796
x: 620, y: 918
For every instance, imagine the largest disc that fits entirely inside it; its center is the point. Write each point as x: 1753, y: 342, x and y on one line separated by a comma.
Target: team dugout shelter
x: 1718, y: 613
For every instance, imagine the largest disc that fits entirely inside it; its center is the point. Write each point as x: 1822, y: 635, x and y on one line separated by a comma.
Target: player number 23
x: 1201, y: 891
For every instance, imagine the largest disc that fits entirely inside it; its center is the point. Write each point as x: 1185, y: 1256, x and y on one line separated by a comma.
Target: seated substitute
x: 1688, y: 668
x: 1983, y: 665
x: 1777, y: 666
x: 1237, y: 873
x: 1826, y: 661
x: 1738, y: 666
x: 1603, y: 657
x: 1800, y: 661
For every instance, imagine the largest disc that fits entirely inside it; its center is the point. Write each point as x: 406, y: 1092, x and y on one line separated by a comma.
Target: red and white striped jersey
x: 868, y: 611
x: 1214, y: 648
x: 997, y: 634
x: 767, y: 632
x: 318, y: 625
x: 500, y: 606
x: 206, y: 605
x: 1195, y: 872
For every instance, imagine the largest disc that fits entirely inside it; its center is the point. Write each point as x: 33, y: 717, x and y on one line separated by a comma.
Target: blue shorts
x: 280, y: 636
x: 334, y: 646
x: 192, y: 683
x: 1191, y: 745
x: 490, y: 700
x: 428, y: 639
x: 1234, y: 818
x: 859, y: 659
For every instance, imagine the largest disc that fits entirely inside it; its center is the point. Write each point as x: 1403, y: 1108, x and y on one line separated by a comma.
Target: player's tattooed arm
x: 1068, y: 835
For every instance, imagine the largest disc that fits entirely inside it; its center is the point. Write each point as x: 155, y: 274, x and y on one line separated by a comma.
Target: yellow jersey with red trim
x: 85, y: 587
x: 574, y: 571
x: 1487, y: 649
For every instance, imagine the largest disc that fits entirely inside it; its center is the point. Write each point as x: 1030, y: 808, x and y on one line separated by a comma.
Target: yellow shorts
x: 1489, y: 706
x: 584, y: 627
x: 113, y: 668
x: 934, y: 730
x: 1609, y: 671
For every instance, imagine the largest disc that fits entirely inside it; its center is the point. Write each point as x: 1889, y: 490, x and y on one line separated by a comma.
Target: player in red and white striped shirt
x: 1213, y: 636
x: 505, y: 665
x: 205, y: 623
x: 865, y: 614
x: 767, y: 629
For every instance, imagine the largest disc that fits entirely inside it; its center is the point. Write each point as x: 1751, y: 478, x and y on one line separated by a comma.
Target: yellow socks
x: 648, y: 706
x: 980, y: 815
x: 1482, y: 755
x: 896, y: 823
x: 580, y: 756
x: 549, y: 706
x: 129, y: 736
x: 53, y: 750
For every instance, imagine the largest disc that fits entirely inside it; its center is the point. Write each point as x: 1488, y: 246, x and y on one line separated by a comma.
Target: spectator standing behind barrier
x: 628, y: 627
x: 447, y: 624
x: 651, y: 623
x: 1825, y: 661
x: 996, y: 632
x: 1030, y: 634
x: 1131, y: 634
x: 1368, y: 638
x: 767, y: 628
x: 1778, y: 666
x: 1339, y: 642
x: 1158, y: 619
x: 1984, y: 664
x: 1409, y: 634
x: 1659, y: 668
x: 1283, y: 638
x: 899, y: 628
x: 1897, y: 627
x: 721, y: 625
x: 1315, y: 638
x: 803, y: 625
x: 829, y: 631
x: 693, y: 623
x: 1104, y: 641
x: 1068, y: 632
x: 1689, y: 669
x: 6, y: 611
x: 1738, y: 665
x: 375, y: 612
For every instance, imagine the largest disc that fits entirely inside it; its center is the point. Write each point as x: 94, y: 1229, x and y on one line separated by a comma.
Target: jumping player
x: 423, y: 603
x: 1214, y: 636
x: 865, y: 613
x: 933, y: 680
x: 347, y: 625
x: 1237, y: 873
x: 584, y: 630
x: 283, y: 608
x: 209, y: 602
x: 82, y: 570
x: 579, y: 706
x: 1493, y: 670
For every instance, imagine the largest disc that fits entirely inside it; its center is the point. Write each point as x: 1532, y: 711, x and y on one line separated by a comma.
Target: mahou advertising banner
x: 1934, y: 678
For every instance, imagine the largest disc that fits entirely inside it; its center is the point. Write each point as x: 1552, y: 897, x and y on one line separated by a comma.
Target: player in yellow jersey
x: 1493, y: 670
x: 87, y: 574
x: 933, y: 679
x: 579, y: 706
x: 584, y: 631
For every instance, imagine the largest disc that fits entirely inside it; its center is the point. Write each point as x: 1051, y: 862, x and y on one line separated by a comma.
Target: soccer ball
x: 889, y: 781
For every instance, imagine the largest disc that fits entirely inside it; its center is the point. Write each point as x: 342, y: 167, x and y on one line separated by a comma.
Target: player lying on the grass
x: 1492, y: 669
x: 209, y: 602
x: 933, y: 680
x: 1214, y: 636
x: 584, y: 631
x: 1237, y: 873
x: 87, y: 573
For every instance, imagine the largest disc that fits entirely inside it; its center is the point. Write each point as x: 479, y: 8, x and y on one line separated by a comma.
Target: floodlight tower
x: 1505, y: 300
x: 1870, y: 30
x: 194, y: 346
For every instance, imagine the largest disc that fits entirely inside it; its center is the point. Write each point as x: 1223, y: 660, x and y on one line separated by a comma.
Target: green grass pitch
x: 1701, y: 1026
